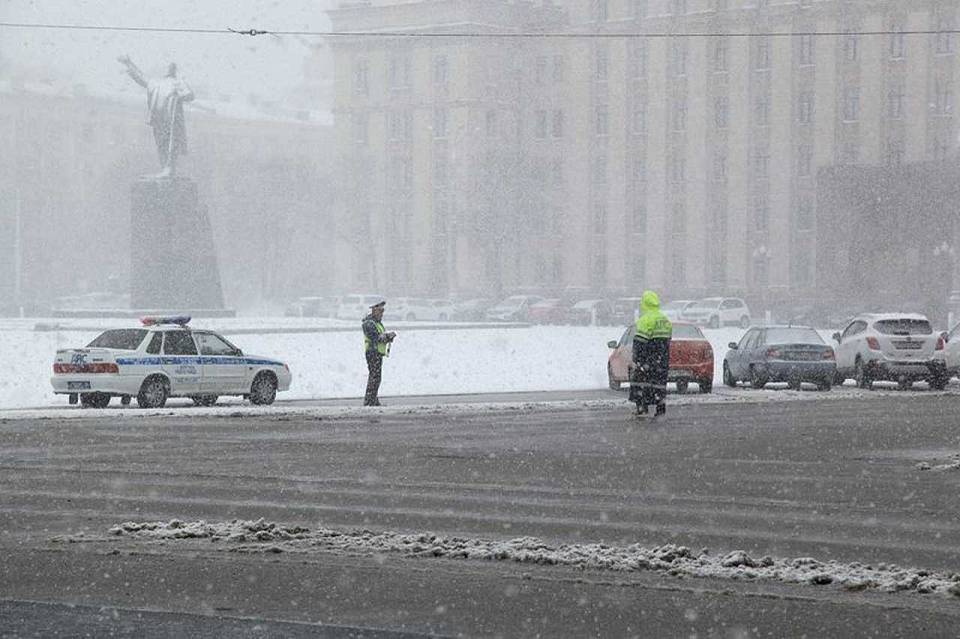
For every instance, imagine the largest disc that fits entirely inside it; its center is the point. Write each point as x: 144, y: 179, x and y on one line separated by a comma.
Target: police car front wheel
x: 263, y: 390
x: 153, y: 393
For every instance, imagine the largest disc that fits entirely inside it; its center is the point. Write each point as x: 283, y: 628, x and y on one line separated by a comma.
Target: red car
x: 691, y: 358
x: 550, y: 311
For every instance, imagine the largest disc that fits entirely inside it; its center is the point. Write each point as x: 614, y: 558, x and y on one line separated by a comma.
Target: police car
x: 164, y: 358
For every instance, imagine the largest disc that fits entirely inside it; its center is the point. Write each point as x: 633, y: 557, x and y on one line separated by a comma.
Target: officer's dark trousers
x: 374, y: 368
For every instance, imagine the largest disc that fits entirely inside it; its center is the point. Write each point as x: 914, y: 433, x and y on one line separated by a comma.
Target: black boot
x: 661, y: 409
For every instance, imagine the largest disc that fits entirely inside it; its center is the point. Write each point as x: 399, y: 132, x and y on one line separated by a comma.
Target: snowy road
x: 870, y: 484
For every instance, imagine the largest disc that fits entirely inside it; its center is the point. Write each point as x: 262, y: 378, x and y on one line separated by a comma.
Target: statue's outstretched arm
x: 133, y: 71
x: 185, y: 92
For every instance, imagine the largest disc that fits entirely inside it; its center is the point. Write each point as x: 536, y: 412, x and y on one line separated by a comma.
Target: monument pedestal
x: 173, y: 260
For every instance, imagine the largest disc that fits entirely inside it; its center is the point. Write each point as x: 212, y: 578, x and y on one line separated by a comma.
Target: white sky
x: 233, y: 64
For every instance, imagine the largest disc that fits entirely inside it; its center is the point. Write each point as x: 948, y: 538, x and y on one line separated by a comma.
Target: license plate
x: 908, y: 346
x: 78, y: 385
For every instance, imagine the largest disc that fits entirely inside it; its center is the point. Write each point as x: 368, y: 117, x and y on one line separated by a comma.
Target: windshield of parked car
x: 710, y: 302
x: 903, y: 327
x: 351, y: 299
x: 686, y: 331
x: 676, y: 306
x: 793, y: 336
x: 124, y: 339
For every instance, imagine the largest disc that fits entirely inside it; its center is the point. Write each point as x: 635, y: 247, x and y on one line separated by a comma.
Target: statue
x: 165, y: 98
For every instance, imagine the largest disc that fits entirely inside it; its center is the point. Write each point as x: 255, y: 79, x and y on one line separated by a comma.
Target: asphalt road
x: 835, y: 479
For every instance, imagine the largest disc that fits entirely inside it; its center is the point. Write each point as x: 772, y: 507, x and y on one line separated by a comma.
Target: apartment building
x: 564, y: 151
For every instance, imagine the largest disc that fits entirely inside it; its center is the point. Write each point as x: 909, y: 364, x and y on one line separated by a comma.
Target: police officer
x: 651, y: 356
x: 376, y: 346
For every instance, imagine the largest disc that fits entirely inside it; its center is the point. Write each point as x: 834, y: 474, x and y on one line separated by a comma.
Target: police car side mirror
x: 733, y: 346
x: 238, y: 353
x: 613, y: 343
x: 945, y: 335
x: 836, y: 337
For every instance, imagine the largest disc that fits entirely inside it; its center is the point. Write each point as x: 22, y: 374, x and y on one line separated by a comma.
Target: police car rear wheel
x: 263, y: 390
x: 153, y: 393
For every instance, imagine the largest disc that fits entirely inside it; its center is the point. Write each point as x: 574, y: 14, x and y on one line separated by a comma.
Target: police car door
x: 181, y: 362
x: 224, y: 369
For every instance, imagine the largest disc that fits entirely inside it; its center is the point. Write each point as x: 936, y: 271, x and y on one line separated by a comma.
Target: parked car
x: 356, y: 307
x: 548, y: 311
x: 313, y: 307
x: 900, y: 347
x: 718, y: 311
x: 951, y: 351
x: 513, y: 309
x: 674, y: 310
x: 625, y: 310
x: 472, y: 310
x: 792, y: 354
x: 164, y: 358
x: 691, y: 358
x: 412, y: 309
x: 590, y: 312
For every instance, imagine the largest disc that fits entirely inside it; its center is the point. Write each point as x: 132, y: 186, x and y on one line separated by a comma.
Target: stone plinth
x: 173, y: 260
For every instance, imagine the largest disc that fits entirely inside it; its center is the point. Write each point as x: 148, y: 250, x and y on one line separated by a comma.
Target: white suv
x: 900, y: 347
x: 718, y: 311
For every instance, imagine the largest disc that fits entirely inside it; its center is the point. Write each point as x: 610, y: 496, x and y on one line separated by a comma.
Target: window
x: 401, y: 125
x: 895, y: 153
x: 678, y: 58
x: 179, y: 343
x: 600, y: 218
x: 639, y: 218
x: 804, y: 214
x: 541, y: 131
x: 602, y: 126
x: 850, y: 47
x: 440, y: 70
x: 851, y: 104
x: 600, y: 170
x: 761, y: 212
x: 155, y: 344
x: 761, y: 110
x: 558, y: 123
x: 678, y: 272
x: 638, y: 123
x: 361, y: 128
x: 941, y: 149
x: 213, y: 345
x: 855, y: 328
x: 942, y: 98
x: 637, y: 59
x: 895, y: 99
x: 805, y: 53
x: 601, y: 10
x: 721, y: 112
x: 559, y: 65
x: 440, y: 123
x: 440, y: 169
x: 898, y: 46
x: 540, y: 70
x: 491, y: 123
x: 944, y: 38
x: 720, y: 166
x: 678, y: 221
x: 720, y: 55
x: 601, y: 65
x: 761, y: 163
x: 805, y: 108
x: 761, y: 60
x: 556, y: 169
x: 849, y: 152
x: 638, y: 9
x: 125, y: 339
x: 398, y: 71
x: 361, y: 72
x: 804, y: 161
x: 678, y: 121
x: 639, y: 168
x: 678, y: 170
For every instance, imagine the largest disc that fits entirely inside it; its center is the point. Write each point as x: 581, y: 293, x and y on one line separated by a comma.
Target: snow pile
x: 953, y: 464
x: 677, y: 561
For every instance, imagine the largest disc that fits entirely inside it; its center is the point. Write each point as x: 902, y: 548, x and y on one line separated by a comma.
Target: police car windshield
x: 124, y: 339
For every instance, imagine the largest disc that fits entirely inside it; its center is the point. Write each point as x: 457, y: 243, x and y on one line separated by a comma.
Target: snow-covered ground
x: 424, y: 361
x: 679, y: 561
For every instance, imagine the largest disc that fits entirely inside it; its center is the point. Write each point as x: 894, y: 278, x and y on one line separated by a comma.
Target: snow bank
x: 331, y: 364
x: 679, y: 561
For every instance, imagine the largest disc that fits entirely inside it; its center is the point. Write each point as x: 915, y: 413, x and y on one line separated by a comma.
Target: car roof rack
x: 178, y: 320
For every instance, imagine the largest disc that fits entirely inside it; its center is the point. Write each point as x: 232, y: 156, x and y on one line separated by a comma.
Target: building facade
x: 593, y: 159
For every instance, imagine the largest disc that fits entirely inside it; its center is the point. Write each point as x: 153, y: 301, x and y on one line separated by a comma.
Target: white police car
x: 164, y: 358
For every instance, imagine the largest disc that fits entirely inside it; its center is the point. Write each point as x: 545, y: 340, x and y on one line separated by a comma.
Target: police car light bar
x: 179, y: 320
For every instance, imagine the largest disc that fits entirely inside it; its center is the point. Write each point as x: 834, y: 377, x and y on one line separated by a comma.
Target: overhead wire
x: 483, y: 35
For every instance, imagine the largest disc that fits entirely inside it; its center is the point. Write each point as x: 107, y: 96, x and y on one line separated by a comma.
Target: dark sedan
x: 792, y: 354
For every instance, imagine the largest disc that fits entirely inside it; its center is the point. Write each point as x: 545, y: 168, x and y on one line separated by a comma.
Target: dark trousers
x: 374, y: 369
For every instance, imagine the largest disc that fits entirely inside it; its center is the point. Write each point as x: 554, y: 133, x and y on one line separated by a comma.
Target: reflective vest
x: 654, y: 325
x: 382, y: 347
